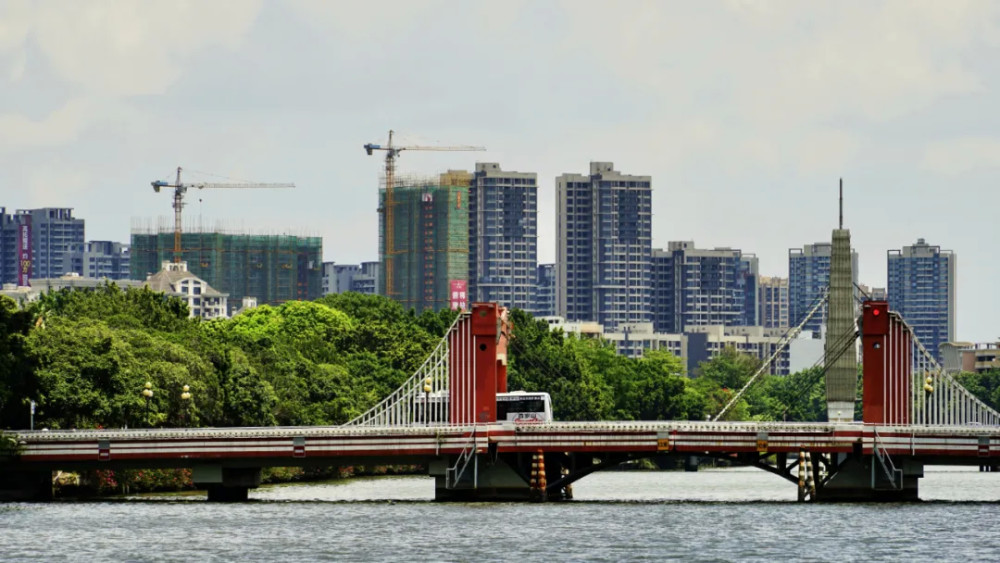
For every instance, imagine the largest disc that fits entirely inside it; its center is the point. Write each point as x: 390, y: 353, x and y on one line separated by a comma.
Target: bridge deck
x: 296, y: 445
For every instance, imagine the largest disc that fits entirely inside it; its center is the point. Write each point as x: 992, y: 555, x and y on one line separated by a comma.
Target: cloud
x: 788, y: 64
x: 124, y: 48
x: 958, y: 156
x: 59, y: 127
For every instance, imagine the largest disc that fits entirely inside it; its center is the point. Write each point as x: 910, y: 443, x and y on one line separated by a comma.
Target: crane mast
x: 180, y: 188
x: 388, y: 208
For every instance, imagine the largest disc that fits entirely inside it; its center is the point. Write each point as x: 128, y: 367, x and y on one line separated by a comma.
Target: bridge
x: 914, y: 415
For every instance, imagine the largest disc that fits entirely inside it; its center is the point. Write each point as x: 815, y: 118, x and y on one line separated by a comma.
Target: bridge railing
x: 936, y: 397
x: 424, y: 397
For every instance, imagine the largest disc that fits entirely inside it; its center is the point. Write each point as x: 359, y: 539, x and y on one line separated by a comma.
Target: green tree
x: 17, y: 381
x: 985, y: 386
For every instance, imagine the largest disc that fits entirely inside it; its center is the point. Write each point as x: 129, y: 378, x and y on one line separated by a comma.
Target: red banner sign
x: 24, y: 254
x: 459, y: 296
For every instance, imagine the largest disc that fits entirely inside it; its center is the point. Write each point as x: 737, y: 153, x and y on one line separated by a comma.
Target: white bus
x: 520, y: 407
x: 524, y: 407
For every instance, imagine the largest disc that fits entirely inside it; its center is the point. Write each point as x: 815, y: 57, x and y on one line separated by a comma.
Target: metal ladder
x: 452, y: 475
x: 894, y: 475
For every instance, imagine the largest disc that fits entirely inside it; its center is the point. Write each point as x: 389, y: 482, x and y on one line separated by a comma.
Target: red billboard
x: 24, y: 254
x: 458, y: 295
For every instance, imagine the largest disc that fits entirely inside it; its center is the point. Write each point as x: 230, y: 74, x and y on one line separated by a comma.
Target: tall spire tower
x: 839, y: 353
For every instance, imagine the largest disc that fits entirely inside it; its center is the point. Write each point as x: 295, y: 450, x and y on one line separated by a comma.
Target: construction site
x: 423, y: 231
x: 271, y: 268
x: 424, y: 238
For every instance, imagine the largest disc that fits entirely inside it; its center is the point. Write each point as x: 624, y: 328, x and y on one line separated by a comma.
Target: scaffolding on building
x: 428, y: 224
x: 272, y: 268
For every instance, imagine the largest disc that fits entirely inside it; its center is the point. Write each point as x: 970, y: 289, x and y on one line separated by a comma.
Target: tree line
x: 85, y: 356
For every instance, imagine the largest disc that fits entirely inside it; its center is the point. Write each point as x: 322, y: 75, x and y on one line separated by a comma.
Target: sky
x: 745, y: 113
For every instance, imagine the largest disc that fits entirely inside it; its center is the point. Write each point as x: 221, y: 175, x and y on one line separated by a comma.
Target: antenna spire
x: 841, y: 203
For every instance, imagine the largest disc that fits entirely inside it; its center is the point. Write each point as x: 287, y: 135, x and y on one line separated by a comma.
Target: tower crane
x: 180, y: 188
x: 391, y: 153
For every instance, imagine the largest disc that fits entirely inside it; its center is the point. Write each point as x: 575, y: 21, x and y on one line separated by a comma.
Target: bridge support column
x: 483, y: 480
x: 226, y: 484
x: 862, y: 480
x: 506, y: 477
x: 25, y: 486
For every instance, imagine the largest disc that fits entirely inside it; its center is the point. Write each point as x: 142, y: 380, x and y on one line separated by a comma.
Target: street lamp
x: 186, y: 401
x: 147, y: 392
x: 928, y: 389
x: 427, y: 401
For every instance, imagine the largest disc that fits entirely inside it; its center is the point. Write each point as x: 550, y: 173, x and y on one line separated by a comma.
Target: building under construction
x: 271, y: 268
x: 424, y: 240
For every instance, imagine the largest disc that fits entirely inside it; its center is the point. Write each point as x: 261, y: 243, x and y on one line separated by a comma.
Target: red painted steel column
x: 506, y: 330
x: 486, y: 325
x: 874, y: 360
x: 904, y: 396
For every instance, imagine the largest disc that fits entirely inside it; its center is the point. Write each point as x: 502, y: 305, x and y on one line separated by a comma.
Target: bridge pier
x: 25, y: 486
x: 226, y: 484
x: 861, y: 479
x: 483, y: 479
x: 502, y: 478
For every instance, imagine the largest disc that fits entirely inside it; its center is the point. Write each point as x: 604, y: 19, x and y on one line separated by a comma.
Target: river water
x: 713, y: 515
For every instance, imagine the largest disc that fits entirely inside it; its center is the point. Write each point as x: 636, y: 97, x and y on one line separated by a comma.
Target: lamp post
x: 928, y: 389
x: 427, y: 401
x: 186, y: 402
x: 147, y: 392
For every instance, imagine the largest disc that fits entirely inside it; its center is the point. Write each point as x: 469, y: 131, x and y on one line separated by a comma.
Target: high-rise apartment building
x: 604, y: 246
x: 922, y: 289
x: 703, y: 287
x: 545, y: 292
x: 103, y: 259
x: 424, y: 239
x: 503, y: 236
x: 808, y: 278
x: 773, y: 302
x: 39, y: 243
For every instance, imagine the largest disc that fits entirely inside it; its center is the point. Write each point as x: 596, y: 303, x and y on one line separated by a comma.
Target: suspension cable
x: 782, y: 344
x: 845, y: 343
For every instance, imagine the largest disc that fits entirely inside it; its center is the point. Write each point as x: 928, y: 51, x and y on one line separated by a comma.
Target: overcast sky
x: 745, y: 114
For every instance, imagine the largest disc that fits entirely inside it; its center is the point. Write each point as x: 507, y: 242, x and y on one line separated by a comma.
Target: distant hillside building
x: 104, y: 259
x: 424, y: 240
x: 697, y: 344
x: 503, y: 236
x: 271, y: 268
x: 39, y: 243
x: 773, y: 302
x: 202, y: 300
x: 27, y: 293
x: 341, y: 278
